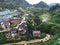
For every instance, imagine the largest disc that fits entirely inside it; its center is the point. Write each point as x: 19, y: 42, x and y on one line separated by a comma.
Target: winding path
x: 34, y: 41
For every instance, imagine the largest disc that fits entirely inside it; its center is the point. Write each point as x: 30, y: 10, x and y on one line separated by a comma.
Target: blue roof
x: 6, y: 12
x: 1, y: 20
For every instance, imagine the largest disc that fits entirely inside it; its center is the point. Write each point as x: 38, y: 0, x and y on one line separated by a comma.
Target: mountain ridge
x: 24, y: 3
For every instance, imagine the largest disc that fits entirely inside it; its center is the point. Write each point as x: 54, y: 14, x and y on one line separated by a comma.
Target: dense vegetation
x: 7, y: 6
x: 14, y: 4
x: 50, y: 26
x: 41, y: 5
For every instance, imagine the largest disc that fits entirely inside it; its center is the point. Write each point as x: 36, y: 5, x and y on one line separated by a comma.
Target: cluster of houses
x: 19, y: 29
x: 16, y: 33
x: 12, y: 33
x: 7, y: 22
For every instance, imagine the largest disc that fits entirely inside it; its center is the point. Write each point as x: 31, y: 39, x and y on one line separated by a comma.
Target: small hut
x: 36, y: 33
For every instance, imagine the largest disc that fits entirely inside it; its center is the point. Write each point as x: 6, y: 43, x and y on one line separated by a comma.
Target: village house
x: 36, y: 33
x: 22, y: 28
x: 21, y: 32
x: 15, y: 20
x: 8, y: 35
x: 5, y: 24
x: 15, y: 34
x: 12, y: 34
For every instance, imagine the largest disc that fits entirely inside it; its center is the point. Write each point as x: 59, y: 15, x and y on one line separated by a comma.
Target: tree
x: 2, y: 38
